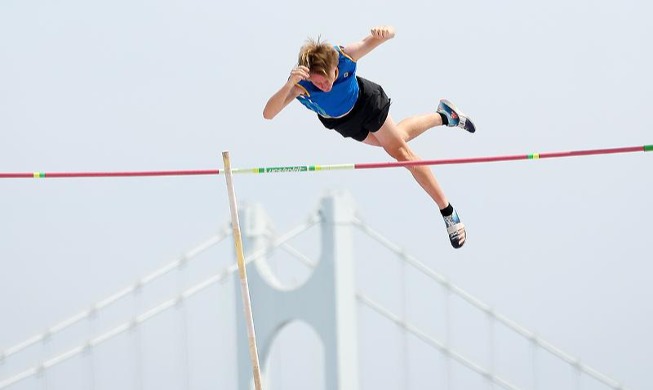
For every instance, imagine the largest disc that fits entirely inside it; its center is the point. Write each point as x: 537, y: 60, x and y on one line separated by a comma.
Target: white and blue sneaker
x: 456, y: 230
x: 455, y: 117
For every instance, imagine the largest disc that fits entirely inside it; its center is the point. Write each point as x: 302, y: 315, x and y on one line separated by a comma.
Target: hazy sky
x: 561, y: 246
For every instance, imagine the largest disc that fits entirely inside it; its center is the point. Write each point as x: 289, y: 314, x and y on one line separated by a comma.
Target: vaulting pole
x: 242, y: 272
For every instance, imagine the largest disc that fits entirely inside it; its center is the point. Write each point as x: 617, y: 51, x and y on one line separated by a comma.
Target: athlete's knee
x: 401, y: 153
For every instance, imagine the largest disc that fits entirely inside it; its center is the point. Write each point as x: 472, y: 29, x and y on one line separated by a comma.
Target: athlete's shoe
x: 455, y: 116
x: 456, y: 230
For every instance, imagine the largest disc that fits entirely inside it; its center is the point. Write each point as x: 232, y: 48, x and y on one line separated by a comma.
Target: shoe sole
x: 455, y: 228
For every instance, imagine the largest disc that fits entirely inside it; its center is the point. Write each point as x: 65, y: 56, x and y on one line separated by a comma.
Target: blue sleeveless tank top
x: 343, y: 95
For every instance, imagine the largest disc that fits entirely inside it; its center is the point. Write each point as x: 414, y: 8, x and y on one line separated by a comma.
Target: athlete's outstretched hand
x: 298, y: 73
x: 383, y: 32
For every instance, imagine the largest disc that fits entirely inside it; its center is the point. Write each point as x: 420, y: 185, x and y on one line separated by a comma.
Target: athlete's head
x: 322, y: 61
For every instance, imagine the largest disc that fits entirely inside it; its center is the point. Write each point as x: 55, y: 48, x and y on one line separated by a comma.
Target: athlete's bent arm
x: 286, y: 93
x: 377, y: 36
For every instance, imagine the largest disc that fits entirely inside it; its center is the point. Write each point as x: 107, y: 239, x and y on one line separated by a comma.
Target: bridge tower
x: 326, y: 301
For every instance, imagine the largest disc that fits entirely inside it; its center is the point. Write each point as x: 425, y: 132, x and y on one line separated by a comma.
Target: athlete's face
x: 323, y: 82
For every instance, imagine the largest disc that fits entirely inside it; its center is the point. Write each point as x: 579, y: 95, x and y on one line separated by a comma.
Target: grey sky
x: 562, y: 246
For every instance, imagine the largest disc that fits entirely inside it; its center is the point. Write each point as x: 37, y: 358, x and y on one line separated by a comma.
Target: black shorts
x: 367, y: 116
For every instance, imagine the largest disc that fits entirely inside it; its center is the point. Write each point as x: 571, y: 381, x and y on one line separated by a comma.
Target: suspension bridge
x: 194, y: 314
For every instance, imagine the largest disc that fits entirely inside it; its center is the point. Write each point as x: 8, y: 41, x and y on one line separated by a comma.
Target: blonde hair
x: 318, y: 56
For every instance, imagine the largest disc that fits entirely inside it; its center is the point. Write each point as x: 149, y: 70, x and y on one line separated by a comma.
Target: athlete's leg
x: 390, y: 138
x: 413, y: 126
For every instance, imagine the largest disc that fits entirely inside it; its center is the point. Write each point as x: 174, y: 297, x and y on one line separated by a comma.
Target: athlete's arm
x: 286, y: 93
x: 377, y: 36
